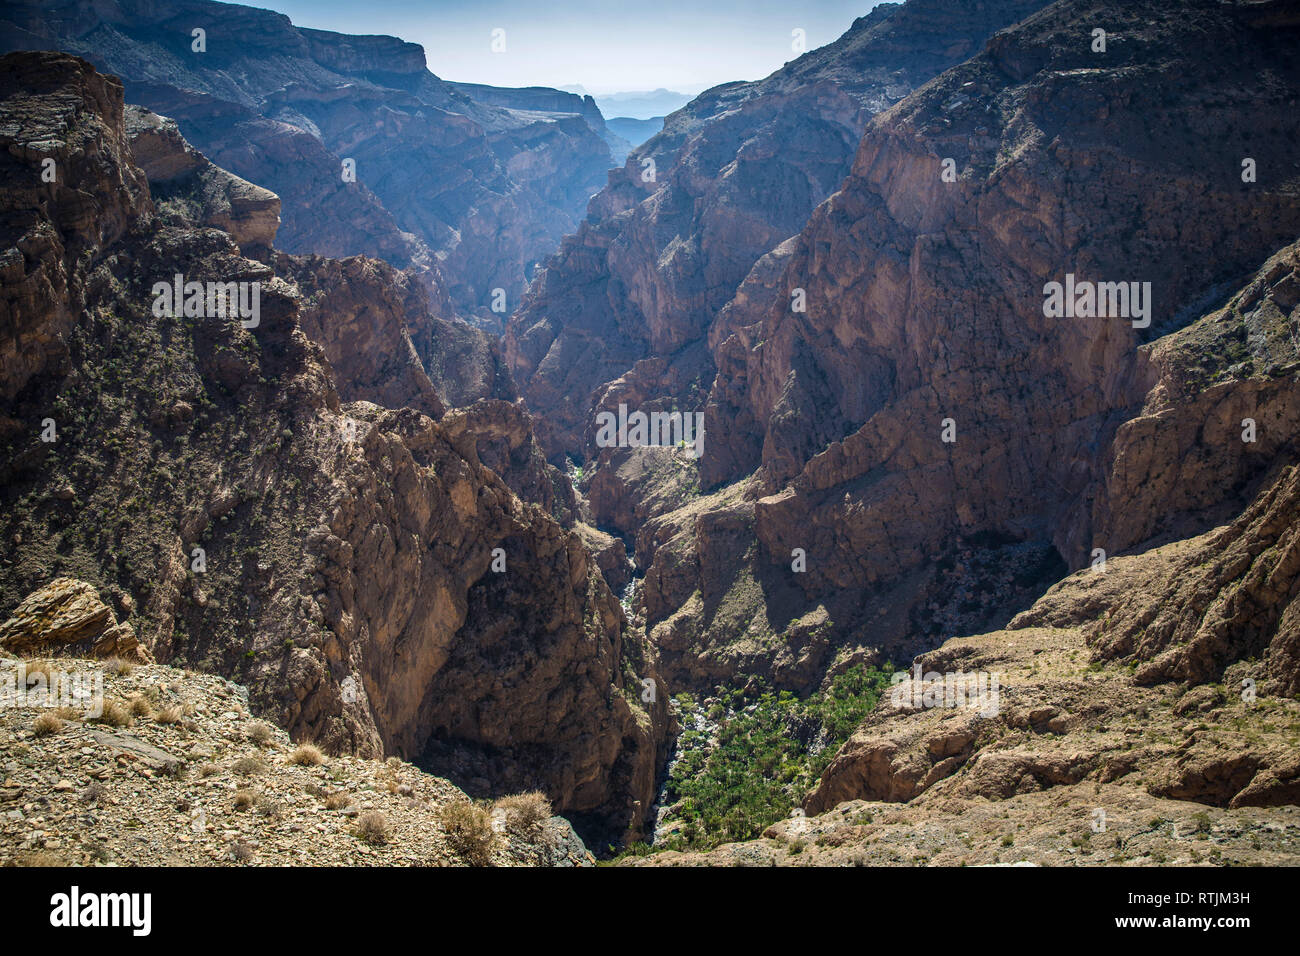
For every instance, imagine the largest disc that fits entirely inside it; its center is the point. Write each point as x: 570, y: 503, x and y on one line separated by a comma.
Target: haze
x: 604, y: 46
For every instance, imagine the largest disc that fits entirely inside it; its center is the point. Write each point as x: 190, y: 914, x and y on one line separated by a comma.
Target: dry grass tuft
x: 119, y: 667
x: 248, y: 766
x: 469, y: 832
x: 46, y: 724
x: 260, y: 734
x: 116, y: 714
x: 526, y: 813
x: 307, y: 755
x: 337, y: 801
x: 372, y: 826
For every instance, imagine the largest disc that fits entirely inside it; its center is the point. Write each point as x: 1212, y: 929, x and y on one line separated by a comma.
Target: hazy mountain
x: 635, y: 131
x: 642, y: 105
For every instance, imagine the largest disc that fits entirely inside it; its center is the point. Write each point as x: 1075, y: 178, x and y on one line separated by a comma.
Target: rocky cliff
x: 935, y: 445
x: 275, y: 497
x: 468, y: 186
x: 734, y: 173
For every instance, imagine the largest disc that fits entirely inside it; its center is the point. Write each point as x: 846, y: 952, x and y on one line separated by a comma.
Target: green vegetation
x: 771, y: 749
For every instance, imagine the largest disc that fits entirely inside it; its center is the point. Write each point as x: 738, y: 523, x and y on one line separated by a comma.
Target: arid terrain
x: 320, y: 377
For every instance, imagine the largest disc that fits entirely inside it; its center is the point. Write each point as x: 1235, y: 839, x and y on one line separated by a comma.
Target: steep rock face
x: 500, y: 435
x: 1222, y: 408
x: 733, y: 174
x: 249, y: 213
x: 244, y: 520
x: 53, y: 228
x: 355, y: 310
x: 925, y: 314
x: 364, y: 313
x: 477, y: 190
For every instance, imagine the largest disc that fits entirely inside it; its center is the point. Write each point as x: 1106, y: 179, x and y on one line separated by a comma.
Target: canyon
x: 414, y: 526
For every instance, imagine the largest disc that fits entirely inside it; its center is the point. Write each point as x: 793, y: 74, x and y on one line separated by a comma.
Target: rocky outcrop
x: 499, y: 434
x: 332, y: 552
x: 178, y: 172
x: 1234, y: 598
x: 67, y: 615
x: 208, y: 784
x: 470, y: 191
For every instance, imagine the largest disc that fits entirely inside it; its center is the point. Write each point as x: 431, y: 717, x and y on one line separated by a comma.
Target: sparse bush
x: 526, y: 813
x: 260, y: 734
x: 241, y: 852
x: 469, y: 832
x: 307, y: 755
x: 140, y: 706
x: 94, y: 792
x: 248, y: 766
x: 271, y: 809
x: 209, y: 770
x: 244, y: 799
x: 116, y: 714
x: 168, y: 715
x: 372, y: 826
x: 46, y: 724
x: 337, y: 801
x: 119, y: 667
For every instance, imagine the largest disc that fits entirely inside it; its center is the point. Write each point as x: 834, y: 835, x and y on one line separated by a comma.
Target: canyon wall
x: 278, y: 500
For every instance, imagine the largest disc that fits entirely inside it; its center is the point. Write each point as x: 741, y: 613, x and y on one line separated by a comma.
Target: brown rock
x: 68, y: 613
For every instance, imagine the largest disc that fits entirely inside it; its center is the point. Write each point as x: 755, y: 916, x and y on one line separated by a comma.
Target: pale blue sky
x: 602, y: 45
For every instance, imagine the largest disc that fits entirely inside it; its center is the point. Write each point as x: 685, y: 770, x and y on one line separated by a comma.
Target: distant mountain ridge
x: 643, y: 105
x: 468, y: 185
x: 635, y: 131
